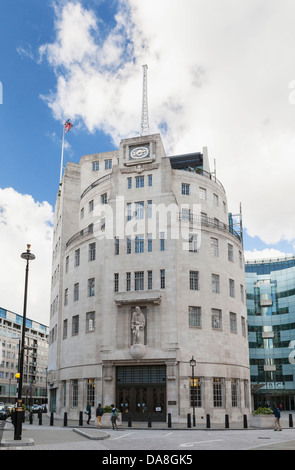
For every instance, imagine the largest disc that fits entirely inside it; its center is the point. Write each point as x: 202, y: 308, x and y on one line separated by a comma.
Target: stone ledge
x: 92, y: 434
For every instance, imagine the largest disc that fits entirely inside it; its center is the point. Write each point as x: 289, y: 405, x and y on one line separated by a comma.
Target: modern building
x: 271, y: 319
x: 35, y: 358
x: 147, y: 273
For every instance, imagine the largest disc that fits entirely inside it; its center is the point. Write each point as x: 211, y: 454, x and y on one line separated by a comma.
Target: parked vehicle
x: 3, y: 412
x: 35, y: 408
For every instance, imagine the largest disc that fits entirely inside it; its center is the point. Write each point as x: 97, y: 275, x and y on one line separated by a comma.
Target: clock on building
x: 137, y: 153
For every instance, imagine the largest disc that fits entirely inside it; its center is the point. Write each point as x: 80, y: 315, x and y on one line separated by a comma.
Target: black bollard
x: 31, y: 417
x: 290, y: 420
x: 169, y: 420
x: 208, y: 422
x: 81, y: 418
x: 149, y: 422
x: 65, y: 419
x: 129, y: 422
x: 245, y: 422
x: 40, y: 417
x: 189, y: 424
x: 226, y: 422
x: 51, y: 418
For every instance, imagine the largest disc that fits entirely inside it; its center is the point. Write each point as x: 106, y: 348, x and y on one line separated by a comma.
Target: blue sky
x: 223, y: 81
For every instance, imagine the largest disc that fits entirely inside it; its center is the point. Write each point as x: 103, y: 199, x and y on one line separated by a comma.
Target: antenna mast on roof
x: 145, y: 128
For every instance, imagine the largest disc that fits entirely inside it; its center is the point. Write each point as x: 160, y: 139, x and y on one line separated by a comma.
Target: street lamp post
x: 28, y: 256
x: 193, y: 363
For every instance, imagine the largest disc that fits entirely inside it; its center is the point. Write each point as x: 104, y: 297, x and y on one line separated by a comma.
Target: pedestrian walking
x: 99, y: 413
x: 114, y: 416
x: 277, y: 414
x: 88, y: 410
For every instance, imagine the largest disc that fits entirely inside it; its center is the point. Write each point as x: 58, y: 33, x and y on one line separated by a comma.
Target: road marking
x: 169, y: 434
x: 190, y: 444
x: 124, y: 435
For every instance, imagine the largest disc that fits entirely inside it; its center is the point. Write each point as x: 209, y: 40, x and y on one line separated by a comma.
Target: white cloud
x: 219, y: 75
x: 24, y: 221
x: 266, y: 254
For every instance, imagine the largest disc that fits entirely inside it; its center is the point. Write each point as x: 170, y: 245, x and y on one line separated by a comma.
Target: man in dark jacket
x: 277, y: 414
x: 99, y: 413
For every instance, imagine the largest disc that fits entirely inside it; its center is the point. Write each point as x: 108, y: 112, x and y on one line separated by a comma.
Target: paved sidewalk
x: 73, y: 437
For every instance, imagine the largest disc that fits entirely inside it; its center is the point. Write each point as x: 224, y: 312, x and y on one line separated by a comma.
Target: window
x: 139, y: 181
x: 194, y: 316
x: 76, y: 292
x: 90, y: 321
x: 162, y: 278
x: 196, y: 392
x: 139, y: 210
x: 90, y: 389
x: 215, y: 200
x: 150, y: 180
x: 234, y: 393
x: 194, y: 280
x: 77, y: 257
x: 139, y: 280
x: 128, y: 245
x: 193, y: 243
x: 230, y: 252
x: 217, y: 392
x: 231, y: 288
x: 74, y: 393
x: 150, y: 209
x: 82, y: 213
x: 90, y: 228
x: 216, y: 319
x: 128, y: 210
x: 108, y: 164
x: 150, y: 280
x: 202, y: 193
x: 91, y: 205
x: 185, y: 214
x: 104, y: 198
x: 242, y: 293
x: 241, y: 259
x: 185, y: 189
x: 116, y: 282
x: 75, y: 325
x: 233, y: 322
x: 215, y: 283
x: 139, y: 244
x: 117, y: 245
x: 128, y: 282
x: 243, y: 322
x: 150, y: 242
x: 91, y: 253
x: 91, y: 287
x: 162, y: 241
x: 65, y: 329
x: 214, y: 247
x: 95, y: 166
x: 129, y: 182
x: 66, y: 299
x: 67, y: 264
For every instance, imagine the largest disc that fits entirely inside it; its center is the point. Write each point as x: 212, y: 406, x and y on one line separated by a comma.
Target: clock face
x: 139, y: 152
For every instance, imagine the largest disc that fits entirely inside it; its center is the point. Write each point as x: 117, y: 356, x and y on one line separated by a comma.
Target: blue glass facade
x: 271, y: 322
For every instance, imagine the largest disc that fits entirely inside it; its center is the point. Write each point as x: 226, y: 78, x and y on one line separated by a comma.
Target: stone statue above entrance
x: 138, y: 324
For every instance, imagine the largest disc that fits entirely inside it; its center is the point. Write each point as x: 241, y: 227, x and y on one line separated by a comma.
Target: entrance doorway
x: 141, y: 393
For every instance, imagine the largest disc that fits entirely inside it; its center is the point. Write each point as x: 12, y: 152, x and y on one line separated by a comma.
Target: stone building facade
x: 147, y: 274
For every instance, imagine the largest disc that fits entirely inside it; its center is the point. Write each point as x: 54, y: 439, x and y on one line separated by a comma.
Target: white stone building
x: 134, y: 229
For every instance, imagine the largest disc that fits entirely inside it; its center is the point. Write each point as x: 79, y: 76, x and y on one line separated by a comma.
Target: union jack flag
x: 68, y: 126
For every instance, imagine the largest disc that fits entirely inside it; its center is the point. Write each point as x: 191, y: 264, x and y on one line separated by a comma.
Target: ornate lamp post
x: 193, y: 363
x: 28, y: 256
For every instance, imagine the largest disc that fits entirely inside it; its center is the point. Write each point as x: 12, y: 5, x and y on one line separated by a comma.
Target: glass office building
x: 270, y: 288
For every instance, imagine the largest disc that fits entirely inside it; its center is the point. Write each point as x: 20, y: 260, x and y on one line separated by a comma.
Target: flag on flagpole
x: 68, y: 126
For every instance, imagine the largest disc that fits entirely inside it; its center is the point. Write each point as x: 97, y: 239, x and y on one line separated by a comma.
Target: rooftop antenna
x: 145, y: 128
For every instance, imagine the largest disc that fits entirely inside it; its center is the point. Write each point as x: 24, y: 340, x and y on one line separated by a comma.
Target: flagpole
x: 62, y: 154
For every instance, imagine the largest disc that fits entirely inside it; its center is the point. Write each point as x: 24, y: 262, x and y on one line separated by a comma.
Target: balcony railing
x: 209, y: 222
